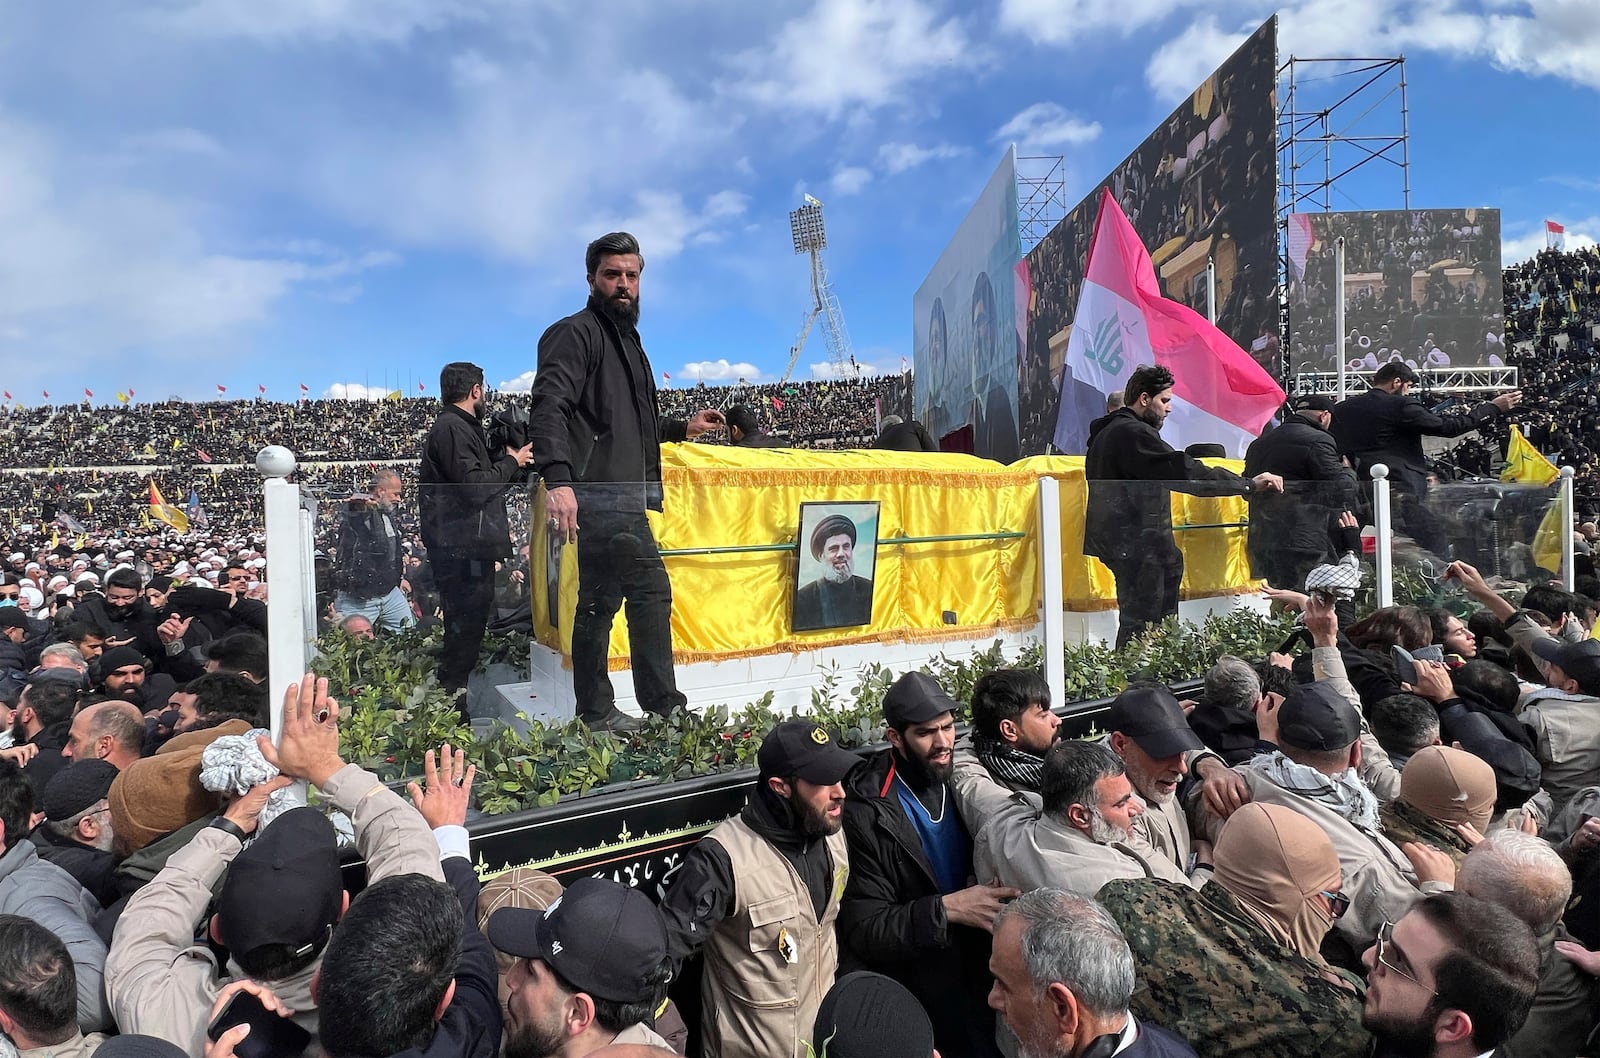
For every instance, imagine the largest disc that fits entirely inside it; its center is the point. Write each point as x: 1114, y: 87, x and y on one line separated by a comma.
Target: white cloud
x: 717, y: 371
x: 850, y: 180
x: 523, y: 383
x: 843, y: 54
x: 830, y: 370
x: 92, y: 267
x: 354, y: 391
x: 1581, y: 234
x: 1045, y: 125
x: 1187, y: 59
x: 321, y: 21
x: 898, y: 157
x: 1080, y: 21
x: 665, y: 224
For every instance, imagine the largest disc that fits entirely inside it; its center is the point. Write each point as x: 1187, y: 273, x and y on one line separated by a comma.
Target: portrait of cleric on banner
x: 833, y: 579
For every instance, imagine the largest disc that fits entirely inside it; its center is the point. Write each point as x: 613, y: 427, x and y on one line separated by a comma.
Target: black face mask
x: 120, y: 612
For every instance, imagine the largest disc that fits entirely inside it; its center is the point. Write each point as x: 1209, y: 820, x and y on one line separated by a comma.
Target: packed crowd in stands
x: 194, y: 435
x: 1552, y: 314
x: 1342, y: 849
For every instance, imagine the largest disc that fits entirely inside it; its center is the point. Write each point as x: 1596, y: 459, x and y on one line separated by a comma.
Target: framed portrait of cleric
x: 838, y: 545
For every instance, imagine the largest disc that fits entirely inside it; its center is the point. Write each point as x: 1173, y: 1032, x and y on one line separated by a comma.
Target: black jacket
x: 1131, y: 473
x: 1315, y: 485
x: 368, y: 564
x: 94, y: 870
x: 1381, y: 427
x: 462, y: 488
x: 892, y: 918
x: 594, y: 416
x: 471, y: 1024
x: 138, y: 624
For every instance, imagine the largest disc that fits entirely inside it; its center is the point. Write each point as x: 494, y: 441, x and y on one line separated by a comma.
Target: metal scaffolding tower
x: 1337, y: 117
x: 1041, y: 196
x: 810, y: 237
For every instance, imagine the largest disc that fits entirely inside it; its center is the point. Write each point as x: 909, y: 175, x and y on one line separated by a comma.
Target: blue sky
x: 334, y: 192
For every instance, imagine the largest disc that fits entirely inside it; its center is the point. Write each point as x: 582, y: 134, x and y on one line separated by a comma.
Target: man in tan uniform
x: 759, y: 896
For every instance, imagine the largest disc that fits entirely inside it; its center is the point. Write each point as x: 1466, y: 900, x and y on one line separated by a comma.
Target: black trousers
x: 1148, y: 578
x: 466, y: 594
x: 618, y: 561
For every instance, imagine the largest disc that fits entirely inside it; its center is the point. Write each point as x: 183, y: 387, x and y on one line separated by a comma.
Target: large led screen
x: 1202, y: 186
x: 1420, y: 285
x: 964, y: 328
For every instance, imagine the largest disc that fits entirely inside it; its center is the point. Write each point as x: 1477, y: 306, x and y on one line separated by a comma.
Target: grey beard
x: 1102, y: 831
x: 839, y: 576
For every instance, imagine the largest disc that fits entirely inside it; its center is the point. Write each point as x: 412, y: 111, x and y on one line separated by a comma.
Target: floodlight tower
x: 805, y: 225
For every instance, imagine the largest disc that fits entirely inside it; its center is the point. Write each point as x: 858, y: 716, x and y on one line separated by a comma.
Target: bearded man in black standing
x: 597, y: 434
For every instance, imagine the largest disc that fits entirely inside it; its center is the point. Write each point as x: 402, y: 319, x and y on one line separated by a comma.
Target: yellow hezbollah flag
x: 1547, y: 540
x: 122, y: 398
x: 1525, y: 463
x: 394, y: 398
x: 165, y: 511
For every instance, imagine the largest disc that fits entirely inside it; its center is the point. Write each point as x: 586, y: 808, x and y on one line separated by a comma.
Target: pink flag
x: 666, y: 379
x: 87, y: 394
x: 130, y: 392
x: 1221, y: 396
x: 261, y: 389
x: 221, y: 388
x: 304, y: 388
x: 422, y: 387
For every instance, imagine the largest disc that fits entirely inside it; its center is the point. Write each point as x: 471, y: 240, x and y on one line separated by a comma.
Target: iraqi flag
x: 1555, y: 234
x: 1222, y: 395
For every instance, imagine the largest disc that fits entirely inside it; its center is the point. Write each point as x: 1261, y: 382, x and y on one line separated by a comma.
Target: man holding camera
x: 463, y: 514
x: 598, y: 432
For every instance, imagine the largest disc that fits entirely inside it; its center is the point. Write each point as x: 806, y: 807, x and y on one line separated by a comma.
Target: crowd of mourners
x: 1340, y: 848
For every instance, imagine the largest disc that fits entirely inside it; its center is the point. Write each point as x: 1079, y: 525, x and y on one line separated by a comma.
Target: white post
x: 1211, y: 290
x: 1338, y: 311
x: 288, y: 642
x: 1569, y: 573
x: 308, y: 569
x: 1382, y: 555
x: 1050, y: 569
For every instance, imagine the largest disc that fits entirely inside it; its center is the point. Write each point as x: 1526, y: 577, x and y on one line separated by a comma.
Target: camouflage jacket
x: 1403, y: 823
x: 1220, y: 981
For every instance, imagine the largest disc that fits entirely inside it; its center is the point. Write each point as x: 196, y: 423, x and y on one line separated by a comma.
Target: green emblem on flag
x: 1105, y: 345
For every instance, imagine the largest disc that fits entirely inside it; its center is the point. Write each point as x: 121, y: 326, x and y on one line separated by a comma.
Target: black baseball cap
x: 1313, y: 402
x: 804, y: 750
x: 915, y: 698
x: 13, y: 617
x: 1316, y: 717
x: 285, y: 887
x: 1580, y: 660
x: 603, y: 937
x: 1152, y: 717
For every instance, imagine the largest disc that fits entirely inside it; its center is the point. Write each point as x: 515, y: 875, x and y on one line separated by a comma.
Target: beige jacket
x: 160, y: 983
x: 79, y: 1046
x: 772, y: 960
x: 1378, y: 879
x: 1026, y: 849
x: 640, y: 1033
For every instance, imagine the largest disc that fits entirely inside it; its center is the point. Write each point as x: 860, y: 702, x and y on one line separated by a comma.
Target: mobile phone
x: 1405, y: 664
x: 1432, y: 652
x: 271, y: 1035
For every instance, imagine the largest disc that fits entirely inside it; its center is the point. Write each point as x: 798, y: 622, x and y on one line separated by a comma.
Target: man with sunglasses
x: 1454, y: 978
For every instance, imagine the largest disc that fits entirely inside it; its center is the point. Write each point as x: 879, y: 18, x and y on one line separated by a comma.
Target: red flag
x: 130, y: 392
x: 304, y: 388
x: 261, y: 388
x: 666, y: 379
x: 777, y: 403
x: 422, y: 387
x: 46, y: 394
x: 205, y: 456
x: 7, y: 393
x: 221, y: 388
x: 1553, y: 228
x: 87, y: 394
x: 1222, y: 395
